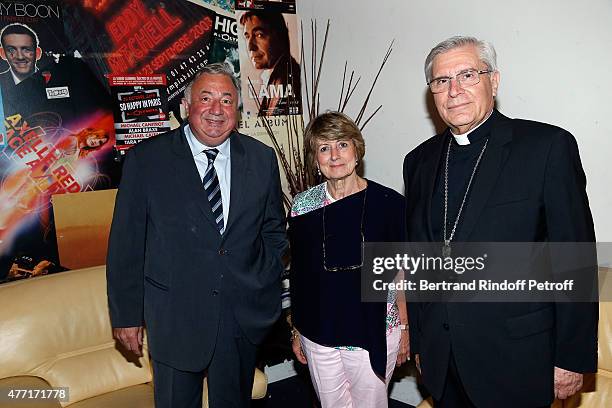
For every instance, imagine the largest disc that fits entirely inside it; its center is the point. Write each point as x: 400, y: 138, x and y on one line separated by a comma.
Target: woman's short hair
x: 331, y: 126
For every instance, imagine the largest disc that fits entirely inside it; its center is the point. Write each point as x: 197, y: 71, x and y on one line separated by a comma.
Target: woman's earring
x: 318, y: 171
x: 356, y: 162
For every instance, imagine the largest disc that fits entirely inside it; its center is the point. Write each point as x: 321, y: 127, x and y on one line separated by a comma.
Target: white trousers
x: 345, y: 379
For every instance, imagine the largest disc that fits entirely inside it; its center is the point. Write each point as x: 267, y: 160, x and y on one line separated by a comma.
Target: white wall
x: 554, y: 56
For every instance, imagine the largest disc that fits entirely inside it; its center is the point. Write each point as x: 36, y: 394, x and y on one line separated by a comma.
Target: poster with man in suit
x: 269, y: 59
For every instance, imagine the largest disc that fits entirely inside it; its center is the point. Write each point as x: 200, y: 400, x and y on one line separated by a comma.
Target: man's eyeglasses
x: 468, y: 77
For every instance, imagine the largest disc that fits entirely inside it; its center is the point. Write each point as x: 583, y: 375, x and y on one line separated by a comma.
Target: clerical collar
x: 463, y: 138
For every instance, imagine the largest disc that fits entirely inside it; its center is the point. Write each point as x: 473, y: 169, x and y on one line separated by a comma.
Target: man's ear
x: 184, y: 108
x: 38, y: 53
x: 2, y: 53
x: 494, y: 82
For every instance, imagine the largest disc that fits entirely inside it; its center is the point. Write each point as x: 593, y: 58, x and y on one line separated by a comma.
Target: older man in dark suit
x: 489, y: 178
x: 195, y: 250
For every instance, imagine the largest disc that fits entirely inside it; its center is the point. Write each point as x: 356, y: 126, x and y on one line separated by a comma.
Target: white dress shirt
x: 222, y: 167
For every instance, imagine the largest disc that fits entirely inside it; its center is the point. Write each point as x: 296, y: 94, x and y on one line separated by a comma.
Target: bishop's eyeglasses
x: 467, y: 77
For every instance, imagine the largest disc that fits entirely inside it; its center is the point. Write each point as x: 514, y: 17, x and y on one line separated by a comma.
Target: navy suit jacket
x: 169, y: 268
x: 6, y: 79
x: 530, y: 187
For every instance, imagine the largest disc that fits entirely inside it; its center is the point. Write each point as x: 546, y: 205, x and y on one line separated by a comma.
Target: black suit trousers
x: 229, y: 374
x: 454, y: 394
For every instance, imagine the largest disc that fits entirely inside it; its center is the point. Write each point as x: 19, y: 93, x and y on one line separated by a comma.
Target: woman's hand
x: 403, y: 354
x: 296, y: 345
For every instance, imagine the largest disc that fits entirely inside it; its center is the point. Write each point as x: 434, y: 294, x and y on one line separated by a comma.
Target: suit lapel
x: 430, y: 170
x: 239, y: 175
x: 187, y: 175
x: 490, y: 167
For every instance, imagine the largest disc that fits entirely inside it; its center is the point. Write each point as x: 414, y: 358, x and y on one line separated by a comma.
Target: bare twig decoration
x: 367, y: 99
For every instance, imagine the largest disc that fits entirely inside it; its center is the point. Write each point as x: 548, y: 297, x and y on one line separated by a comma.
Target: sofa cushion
x: 56, y: 327
x: 605, y: 336
x: 137, y: 396
x: 26, y: 383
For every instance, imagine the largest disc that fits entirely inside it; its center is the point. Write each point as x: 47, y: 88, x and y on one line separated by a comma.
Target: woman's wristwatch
x: 403, y: 327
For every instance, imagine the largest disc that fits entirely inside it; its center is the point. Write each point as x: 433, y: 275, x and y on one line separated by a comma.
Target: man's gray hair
x: 216, y: 68
x: 486, y: 52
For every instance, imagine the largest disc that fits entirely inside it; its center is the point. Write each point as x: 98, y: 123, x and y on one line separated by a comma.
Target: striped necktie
x: 213, y: 190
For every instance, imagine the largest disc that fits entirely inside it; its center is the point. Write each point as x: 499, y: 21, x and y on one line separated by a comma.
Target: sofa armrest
x: 260, y: 387
x: 26, y: 383
x: 426, y: 403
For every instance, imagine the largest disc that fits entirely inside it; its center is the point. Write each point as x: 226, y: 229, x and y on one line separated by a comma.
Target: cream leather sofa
x: 597, y: 389
x: 55, y: 332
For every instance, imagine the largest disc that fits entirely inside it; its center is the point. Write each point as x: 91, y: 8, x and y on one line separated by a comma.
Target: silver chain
x: 452, y: 234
